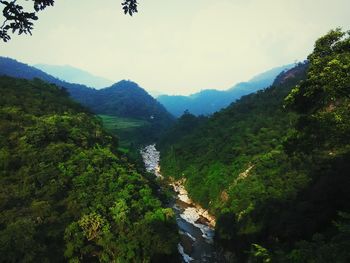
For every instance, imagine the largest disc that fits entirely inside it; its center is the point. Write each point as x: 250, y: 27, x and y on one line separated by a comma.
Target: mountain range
x: 123, y: 99
x: 127, y: 99
x: 209, y: 101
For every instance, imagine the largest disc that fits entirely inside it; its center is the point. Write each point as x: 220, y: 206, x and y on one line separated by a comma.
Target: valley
x: 256, y: 173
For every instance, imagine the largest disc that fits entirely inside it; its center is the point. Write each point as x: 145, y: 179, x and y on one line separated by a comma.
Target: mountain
x: 75, y: 75
x: 127, y: 99
x: 234, y: 165
x: 123, y: 99
x: 229, y: 140
x: 16, y: 69
x: 273, y: 167
x: 209, y: 101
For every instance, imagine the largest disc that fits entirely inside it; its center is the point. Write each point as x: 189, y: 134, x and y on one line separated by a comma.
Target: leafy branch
x: 18, y: 20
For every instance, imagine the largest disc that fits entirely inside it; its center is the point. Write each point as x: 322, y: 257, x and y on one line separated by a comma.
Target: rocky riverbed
x: 196, y: 225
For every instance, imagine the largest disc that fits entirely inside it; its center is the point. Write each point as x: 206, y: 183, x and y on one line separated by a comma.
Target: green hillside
x: 66, y: 194
x: 274, y: 166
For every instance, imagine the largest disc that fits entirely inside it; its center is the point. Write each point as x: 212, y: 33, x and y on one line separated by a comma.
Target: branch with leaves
x: 18, y: 20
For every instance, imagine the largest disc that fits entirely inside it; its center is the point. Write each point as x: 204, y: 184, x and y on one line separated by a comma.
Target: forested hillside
x: 274, y: 166
x: 66, y: 194
x: 229, y: 140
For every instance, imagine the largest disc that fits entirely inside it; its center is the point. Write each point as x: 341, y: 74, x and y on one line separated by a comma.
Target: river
x: 196, y: 225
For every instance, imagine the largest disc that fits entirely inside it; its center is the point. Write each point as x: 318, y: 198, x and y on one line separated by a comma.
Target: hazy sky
x: 178, y: 46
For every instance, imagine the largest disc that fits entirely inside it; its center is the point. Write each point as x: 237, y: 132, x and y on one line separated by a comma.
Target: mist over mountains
x: 75, y: 75
x: 209, y: 101
x: 134, y: 101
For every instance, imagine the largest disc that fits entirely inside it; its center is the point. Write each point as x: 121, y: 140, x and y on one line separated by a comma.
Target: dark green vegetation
x: 65, y: 192
x: 209, y: 101
x: 123, y: 99
x: 274, y: 166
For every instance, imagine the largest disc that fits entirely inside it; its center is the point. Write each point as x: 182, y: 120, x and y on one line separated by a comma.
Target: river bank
x: 202, y: 215
x: 196, y: 225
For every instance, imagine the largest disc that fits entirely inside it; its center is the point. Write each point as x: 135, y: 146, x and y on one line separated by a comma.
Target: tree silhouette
x: 17, y: 19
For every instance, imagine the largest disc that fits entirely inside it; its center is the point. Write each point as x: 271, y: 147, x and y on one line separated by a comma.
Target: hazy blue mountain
x: 75, y: 75
x: 126, y: 98
x: 155, y: 93
x: 16, y: 69
x: 209, y: 101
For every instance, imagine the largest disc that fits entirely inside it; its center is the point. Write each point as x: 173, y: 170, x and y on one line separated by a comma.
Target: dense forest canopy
x: 66, y: 194
x: 274, y: 166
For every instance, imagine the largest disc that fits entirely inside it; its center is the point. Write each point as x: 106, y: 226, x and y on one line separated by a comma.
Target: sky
x: 178, y: 46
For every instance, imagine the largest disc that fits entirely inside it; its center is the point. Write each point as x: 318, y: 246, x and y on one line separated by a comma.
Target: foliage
x: 260, y: 252
x: 323, y: 98
x: 322, y: 247
x: 18, y: 19
x: 66, y: 194
x: 130, y: 6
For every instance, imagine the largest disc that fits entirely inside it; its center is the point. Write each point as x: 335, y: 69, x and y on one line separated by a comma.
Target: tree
x: 322, y: 100
x: 20, y: 20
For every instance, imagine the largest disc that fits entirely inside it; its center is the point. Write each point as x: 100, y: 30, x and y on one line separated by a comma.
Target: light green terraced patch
x: 128, y: 130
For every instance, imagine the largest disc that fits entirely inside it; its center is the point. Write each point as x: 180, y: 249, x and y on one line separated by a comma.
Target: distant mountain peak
x: 74, y: 75
x: 126, y: 83
x: 125, y: 86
